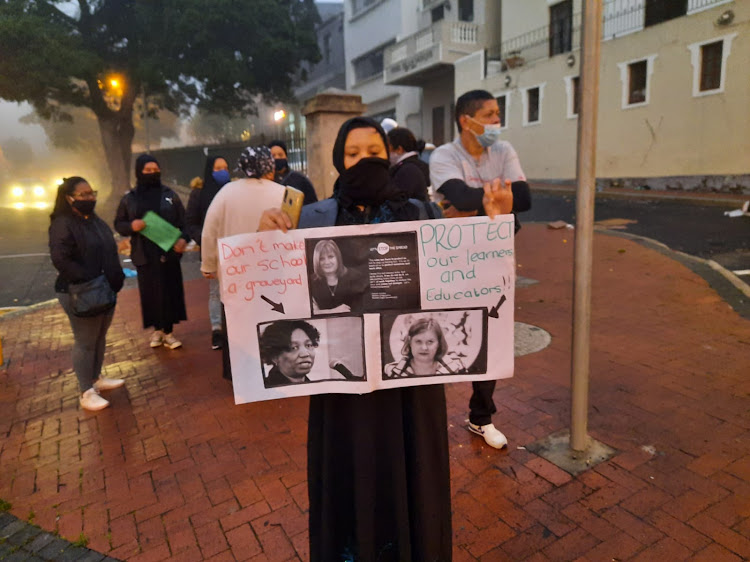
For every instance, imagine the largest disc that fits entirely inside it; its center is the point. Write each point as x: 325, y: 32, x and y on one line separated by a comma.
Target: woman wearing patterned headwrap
x: 236, y: 209
x: 159, y: 273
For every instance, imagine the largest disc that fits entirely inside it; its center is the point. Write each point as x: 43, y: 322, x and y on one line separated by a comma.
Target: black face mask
x: 84, y: 206
x: 151, y: 180
x: 281, y: 164
x: 366, y: 182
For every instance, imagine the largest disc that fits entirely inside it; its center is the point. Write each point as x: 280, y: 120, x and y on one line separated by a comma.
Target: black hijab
x: 368, y: 183
x: 140, y: 163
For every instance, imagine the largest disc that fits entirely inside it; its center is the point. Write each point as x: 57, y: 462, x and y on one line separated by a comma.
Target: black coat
x: 170, y: 209
x: 82, y: 249
x: 301, y: 182
x: 412, y: 176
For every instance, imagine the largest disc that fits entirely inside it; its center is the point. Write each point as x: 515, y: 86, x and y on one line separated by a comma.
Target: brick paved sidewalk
x: 173, y: 470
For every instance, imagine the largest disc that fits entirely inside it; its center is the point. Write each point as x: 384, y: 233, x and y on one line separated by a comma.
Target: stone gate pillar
x: 324, y: 114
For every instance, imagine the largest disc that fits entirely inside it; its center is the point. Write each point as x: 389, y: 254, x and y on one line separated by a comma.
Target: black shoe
x: 217, y: 339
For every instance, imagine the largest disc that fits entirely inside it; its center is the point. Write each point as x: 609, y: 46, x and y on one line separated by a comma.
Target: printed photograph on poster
x: 307, y: 351
x: 358, y: 274
x: 440, y: 342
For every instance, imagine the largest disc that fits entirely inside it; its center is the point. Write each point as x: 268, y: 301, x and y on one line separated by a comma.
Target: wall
x: 675, y: 134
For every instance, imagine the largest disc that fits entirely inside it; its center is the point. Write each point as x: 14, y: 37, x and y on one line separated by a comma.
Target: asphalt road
x: 27, y: 276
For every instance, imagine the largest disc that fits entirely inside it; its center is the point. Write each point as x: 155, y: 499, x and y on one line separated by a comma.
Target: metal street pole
x: 586, y: 174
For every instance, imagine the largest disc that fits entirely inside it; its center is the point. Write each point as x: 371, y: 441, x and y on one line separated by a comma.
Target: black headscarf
x: 140, y: 163
x: 367, y: 183
x: 256, y: 161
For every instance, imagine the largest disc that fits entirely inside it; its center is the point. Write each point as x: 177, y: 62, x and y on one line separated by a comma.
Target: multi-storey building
x: 674, y: 89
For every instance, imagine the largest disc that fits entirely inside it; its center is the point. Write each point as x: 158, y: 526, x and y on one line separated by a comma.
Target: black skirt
x: 162, y: 294
x: 378, y: 476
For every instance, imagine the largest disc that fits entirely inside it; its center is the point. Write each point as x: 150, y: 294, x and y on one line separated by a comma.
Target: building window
x: 637, y: 78
x: 711, y: 66
x: 359, y: 5
x: 709, y: 60
x: 438, y: 13
x: 465, y: 10
x: 532, y: 105
x: 560, y: 27
x: 368, y: 65
x: 636, y: 81
x: 658, y: 11
x: 327, y: 48
x: 573, y: 90
x: 502, y: 103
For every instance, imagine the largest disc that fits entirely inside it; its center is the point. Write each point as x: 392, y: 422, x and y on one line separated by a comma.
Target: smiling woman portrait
x: 335, y: 288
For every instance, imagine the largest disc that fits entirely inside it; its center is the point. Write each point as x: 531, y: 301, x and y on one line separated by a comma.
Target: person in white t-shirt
x: 237, y: 209
x: 459, y: 170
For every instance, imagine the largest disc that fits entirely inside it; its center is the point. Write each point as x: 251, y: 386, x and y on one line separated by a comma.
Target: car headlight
x: 17, y: 191
x: 39, y: 191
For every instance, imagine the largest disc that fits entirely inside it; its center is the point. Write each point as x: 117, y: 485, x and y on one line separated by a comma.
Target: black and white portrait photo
x: 367, y: 273
x: 335, y: 287
x: 306, y: 351
x: 444, y: 342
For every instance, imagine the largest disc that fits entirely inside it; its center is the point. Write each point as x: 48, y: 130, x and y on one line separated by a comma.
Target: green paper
x: 159, y: 231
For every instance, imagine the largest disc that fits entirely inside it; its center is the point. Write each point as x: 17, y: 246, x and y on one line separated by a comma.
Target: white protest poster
x: 353, y: 309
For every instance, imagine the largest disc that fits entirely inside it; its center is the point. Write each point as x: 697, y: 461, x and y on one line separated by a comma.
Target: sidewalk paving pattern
x: 174, y: 470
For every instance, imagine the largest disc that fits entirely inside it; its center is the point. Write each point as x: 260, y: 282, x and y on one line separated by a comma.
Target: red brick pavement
x: 174, y: 470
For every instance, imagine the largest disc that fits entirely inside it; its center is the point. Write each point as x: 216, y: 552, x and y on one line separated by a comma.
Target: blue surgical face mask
x: 221, y: 176
x: 490, y: 135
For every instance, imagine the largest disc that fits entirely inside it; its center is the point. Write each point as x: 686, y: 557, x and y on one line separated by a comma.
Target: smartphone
x: 292, y: 204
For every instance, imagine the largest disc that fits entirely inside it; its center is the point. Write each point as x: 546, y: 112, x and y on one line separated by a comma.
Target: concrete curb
x: 699, y: 198
x: 21, y: 310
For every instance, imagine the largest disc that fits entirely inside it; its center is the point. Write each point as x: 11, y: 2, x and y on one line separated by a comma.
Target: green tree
x: 216, y: 55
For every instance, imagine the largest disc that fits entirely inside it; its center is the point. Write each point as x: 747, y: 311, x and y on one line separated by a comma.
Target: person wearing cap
x: 459, y: 171
x: 285, y: 176
x: 236, y: 209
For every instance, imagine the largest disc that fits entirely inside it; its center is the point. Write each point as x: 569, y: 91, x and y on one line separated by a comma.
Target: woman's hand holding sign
x: 274, y: 219
x: 498, y: 198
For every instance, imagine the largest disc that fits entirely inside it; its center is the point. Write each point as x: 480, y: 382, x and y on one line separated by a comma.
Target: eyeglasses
x: 85, y: 195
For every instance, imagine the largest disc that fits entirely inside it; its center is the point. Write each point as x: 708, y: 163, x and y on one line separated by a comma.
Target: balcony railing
x: 442, y: 42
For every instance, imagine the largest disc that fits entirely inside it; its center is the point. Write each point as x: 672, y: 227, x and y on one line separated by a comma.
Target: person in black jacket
x: 82, y: 248
x: 285, y: 176
x: 215, y: 176
x: 159, y: 273
x: 408, y: 172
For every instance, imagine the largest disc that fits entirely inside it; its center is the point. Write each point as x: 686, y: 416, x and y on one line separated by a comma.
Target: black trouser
x: 481, y: 405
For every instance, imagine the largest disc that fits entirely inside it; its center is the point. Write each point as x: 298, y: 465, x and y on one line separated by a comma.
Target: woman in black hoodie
x: 159, y: 273
x: 215, y: 176
x: 82, y: 248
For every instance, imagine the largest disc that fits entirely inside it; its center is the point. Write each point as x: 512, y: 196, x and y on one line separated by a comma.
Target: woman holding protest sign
x: 159, y: 272
x: 378, y: 465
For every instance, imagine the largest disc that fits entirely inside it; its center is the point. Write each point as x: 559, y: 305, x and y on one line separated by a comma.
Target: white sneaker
x: 492, y: 436
x: 108, y: 384
x: 90, y: 400
x: 157, y: 338
x: 171, y: 342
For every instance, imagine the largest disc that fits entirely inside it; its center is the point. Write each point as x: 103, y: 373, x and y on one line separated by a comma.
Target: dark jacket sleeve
x: 111, y: 263
x: 466, y: 198
x: 123, y: 219
x: 193, y: 218
x: 62, y: 250
x: 409, y: 179
x: 179, y: 213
